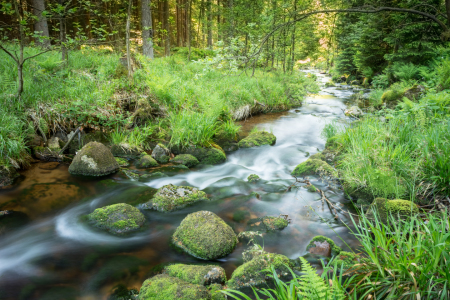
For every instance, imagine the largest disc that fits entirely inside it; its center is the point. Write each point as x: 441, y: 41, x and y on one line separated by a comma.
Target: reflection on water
x: 53, y: 253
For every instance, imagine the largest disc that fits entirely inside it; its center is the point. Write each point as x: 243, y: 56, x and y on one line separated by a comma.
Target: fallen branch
x: 69, y: 141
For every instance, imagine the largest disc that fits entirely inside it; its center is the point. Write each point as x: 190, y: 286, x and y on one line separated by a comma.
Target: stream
x: 47, y: 253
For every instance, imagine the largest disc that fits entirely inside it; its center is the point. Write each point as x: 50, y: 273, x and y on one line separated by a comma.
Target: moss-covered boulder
x: 171, y: 197
x: 7, y: 176
x: 258, y: 138
x: 122, y: 162
x: 415, y: 92
x: 268, y: 223
x: 161, y: 154
x: 197, y: 274
x: 185, y: 159
x: 251, y: 273
x: 397, y: 208
x: 94, y: 159
x: 126, y: 150
x: 207, y: 156
x: 117, y: 219
x: 392, y: 95
x: 165, y: 287
x: 314, y: 167
x: 252, y: 178
x: 323, y: 246
x: 204, y: 235
x: 145, y: 161
x: 215, y: 289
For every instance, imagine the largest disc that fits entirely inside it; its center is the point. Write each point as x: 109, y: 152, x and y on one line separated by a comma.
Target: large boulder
x: 314, y: 167
x: 7, y: 176
x: 161, y: 154
x: 185, y: 159
x: 145, y: 161
x: 126, y: 150
x: 258, y: 138
x: 117, y: 219
x: 323, y: 246
x: 398, y: 208
x: 197, y: 274
x: 94, y: 159
x: 171, y: 197
x: 208, y: 156
x: 204, y: 235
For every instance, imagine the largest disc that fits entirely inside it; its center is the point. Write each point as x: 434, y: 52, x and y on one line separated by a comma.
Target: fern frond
x: 311, y: 285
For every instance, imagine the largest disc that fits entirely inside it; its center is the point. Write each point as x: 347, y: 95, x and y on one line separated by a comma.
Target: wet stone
x: 321, y: 248
x: 171, y: 197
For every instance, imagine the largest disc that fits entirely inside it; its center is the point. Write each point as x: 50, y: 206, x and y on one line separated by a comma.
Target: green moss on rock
x: 145, y: 161
x: 155, y: 175
x: 185, y: 159
x: 215, y: 289
x: 117, y: 219
x: 256, y: 139
x: 335, y: 250
x: 397, y: 208
x: 94, y: 159
x: 126, y: 150
x: 253, y: 178
x: 171, y: 197
x: 268, y: 223
x: 208, y: 156
x: 197, y: 274
x: 204, y: 235
x: 161, y: 154
x: 122, y: 162
x: 311, y: 188
x: 164, y: 287
x: 314, y: 167
x: 392, y: 95
x: 7, y: 177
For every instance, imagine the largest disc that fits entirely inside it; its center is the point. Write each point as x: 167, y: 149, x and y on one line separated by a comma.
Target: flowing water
x: 47, y: 253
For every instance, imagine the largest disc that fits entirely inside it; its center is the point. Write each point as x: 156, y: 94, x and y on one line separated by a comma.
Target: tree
x: 147, y: 29
x: 41, y: 26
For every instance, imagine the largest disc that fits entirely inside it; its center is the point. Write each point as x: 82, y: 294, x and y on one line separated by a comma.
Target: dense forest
x: 210, y: 127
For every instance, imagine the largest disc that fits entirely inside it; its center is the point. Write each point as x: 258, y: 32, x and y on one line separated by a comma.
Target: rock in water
x: 204, y: 235
x: 7, y: 176
x: 354, y: 111
x: 171, y: 197
x: 314, y: 167
x: 117, y: 219
x: 185, y: 159
x: 253, y: 178
x: 94, y: 159
x: 126, y: 150
x: 145, y: 161
x: 208, y: 156
x: 321, y: 245
x: 164, y: 287
x: 161, y: 154
x: 197, y: 274
x: 256, y: 139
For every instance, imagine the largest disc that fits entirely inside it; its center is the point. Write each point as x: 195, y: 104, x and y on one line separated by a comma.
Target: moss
x: 268, y: 223
x: 122, y: 162
x: 348, y: 260
x: 171, y: 197
x: 107, y: 183
x: 185, y: 159
x: 392, y: 95
x: 397, y: 208
x: 251, y: 273
x: 314, y: 167
x: 240, y: 215
x: 197, y: 274
x: 204, y: 235
x: 117, y: 218
x: 311, y: 188
x: 94, y: 159
x: 164, y: 287
x: 318, y: 155
x: 131, y: 174
x: 208, y: 156
x: 145, y: 161
x: 253, y: 178
x: 215, y: 289
x: 335, y: 250
x: 161, y: 154
x: 126, y: 150
x: 155, y: 175
x: 256, y: 139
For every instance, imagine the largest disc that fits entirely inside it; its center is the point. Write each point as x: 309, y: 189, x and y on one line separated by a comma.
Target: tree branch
x: 10, y: 54
x: 36, y: 55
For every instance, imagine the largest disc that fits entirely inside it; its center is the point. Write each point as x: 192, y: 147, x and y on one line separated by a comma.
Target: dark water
x: 50, y: 255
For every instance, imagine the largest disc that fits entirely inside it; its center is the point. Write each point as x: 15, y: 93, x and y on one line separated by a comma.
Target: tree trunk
x: 447, y: 8
x: 231, y: 20
x: 130, y: 3
x: 188, y: 26
x: 147, y: 29
x: 41, y: 25
x: 166, y: 28
x: 209, y: 23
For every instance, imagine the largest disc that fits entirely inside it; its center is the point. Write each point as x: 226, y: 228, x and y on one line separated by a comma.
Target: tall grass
x: 192, y: 128
x: 12, y: 139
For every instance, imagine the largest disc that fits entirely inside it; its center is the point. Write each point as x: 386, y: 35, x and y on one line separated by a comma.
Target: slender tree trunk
x: 166, y: 28
x: 130, y: 71
x: 447, y: 8
x: 41, y: 24
x: 231, y: 20
x: 147, y: 29
x: 188, y: 26
x: 209, y: 23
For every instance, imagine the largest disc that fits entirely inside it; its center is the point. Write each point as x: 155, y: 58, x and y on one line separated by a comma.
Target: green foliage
x: 443, y: 73
x: 12, y: 140
x: 406, y: 72
x: 192, y: 128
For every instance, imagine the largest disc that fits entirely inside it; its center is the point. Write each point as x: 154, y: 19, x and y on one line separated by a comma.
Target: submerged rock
x: 126, y: 150
x: 204, y: 235
x: 314, y: 167
x: 256, y: 139
x: 268, y: 223
x: 185, y: 159
x: 117, y: 219
x: 94, y: 159
x: 7, y: 177
x: 165, y: 287
x: 145, y: 161
x: 155, y: 175
x: 323, y: 246
x: 171, y: 197
x: 208, y: 156
x: 398, y: 208
x: 197, y: 274
x: 253, y: 178
x: 161, y: 154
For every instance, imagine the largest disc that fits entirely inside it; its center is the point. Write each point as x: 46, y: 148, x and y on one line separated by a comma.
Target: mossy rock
x: 117, y: 219
x: 253, y: 178
x: 122, y: 162
x: 107, y: 183
x: 126, y: 150
x: 197, y: 274
x: 7, y: 177
x: 207, y: 156
x: 311, y: 188
x: 268, y: 223
x: 348, y: 260
x: 318, y: 155
x: 165, y: 287
x: 145, y: 161
x: 204, y: 235
x: 171, y: 197
x: 155, y: 175
x: 240, y: 215
x: 335, y: 250
x: 215, y: 289
x: 397, y: 208
x: 251, y: 273
x: 330, y: 84
x: 161, y: 154
x: 392, y: 95
x: 185, y: 159
x: 256, y: 139
x: 131, y: 174
x: 314, y: 167
x: 94, y: 159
